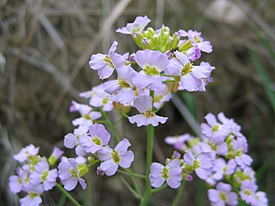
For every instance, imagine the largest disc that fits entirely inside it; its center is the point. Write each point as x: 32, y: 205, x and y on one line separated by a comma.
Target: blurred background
x: 44, y: 52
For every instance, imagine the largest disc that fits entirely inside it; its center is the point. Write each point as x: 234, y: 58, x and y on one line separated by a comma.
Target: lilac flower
x: 146, y: 116
x: 197, y: 40
x: 33, y: 198
x: 99, y: 98
x: 221, y: 168
x: 123, y: 88
x: 240, y: 148
x: 192, y: 78
x: 178, y: 141
x: 161, y: 95
x: 112, y: 158
x: 87, y: 115
x: 70, y: 173
x: 71, y: 140
x: 261, y: 199
x: 106, y: 64
x: 43, y: 175
x: 139, y: 24
x: 202, y: 163
x: 214, y: 130
x: 152, y: 64
x: 202, y: 147
x: 97, y: 138
x: 26, y: 152
x: 222, y: 195
x: 248, y: 192
x: 171, y: 173
x: 21, y: 180
x: 56, y: 154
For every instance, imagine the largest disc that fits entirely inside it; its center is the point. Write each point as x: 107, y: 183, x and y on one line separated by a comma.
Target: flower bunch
x: 34, y: 176
x: 219, y: 156
x: 145, y: 80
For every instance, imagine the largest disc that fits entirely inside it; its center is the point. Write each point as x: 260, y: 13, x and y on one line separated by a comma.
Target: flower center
x: 186, y: 69
x: 73, y: 172
x: 32, y: 195
x: 165, y: 173
x: 248, y: 192
x: 108, y: 60
x: 87, y: 116
x: 44, y: 175
x: 151, y: 71
x: 96, y: 140
x: 196, y: 164
x: 148, y: 113
x: 105, y: 100
x: 115, y: 156
x: 239, y: 153
x: 215, y: 128
x: 158, y: 98
x: 122, y: 83
x: 197, y: 40
x: 223, y: 196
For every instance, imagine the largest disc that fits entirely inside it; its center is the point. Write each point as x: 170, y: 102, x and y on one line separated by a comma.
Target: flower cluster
x: 34, y: 176
x: 163, y: 60
x: 145, y: 80
x: 219, y: 156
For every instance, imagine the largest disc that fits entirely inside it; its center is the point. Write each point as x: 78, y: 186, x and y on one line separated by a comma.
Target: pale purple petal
x: 140, y: 119
x: 126, y: 160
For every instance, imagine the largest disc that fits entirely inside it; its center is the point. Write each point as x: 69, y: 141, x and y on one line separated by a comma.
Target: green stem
x: 159, y: 189
x: 130, y: 173
x: 117, y: 141
x: 130, y: 188
x: 178, y: 195
x: 110, y: 124
x: 167, y: 81
x: 149, y: 157
x: 60, y: 187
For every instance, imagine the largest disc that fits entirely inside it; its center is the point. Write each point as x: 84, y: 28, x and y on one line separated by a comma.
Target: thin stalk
x: 178, y: 195
x: 149, y: 157
x: 60, y: 187
x: 110, y: 124
x: 137, y: 190
x: 130, y: 173
x: 130, y: 188
x: 159, y: 189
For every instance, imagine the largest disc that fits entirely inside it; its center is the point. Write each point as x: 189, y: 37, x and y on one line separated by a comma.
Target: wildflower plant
x: 145, y: 80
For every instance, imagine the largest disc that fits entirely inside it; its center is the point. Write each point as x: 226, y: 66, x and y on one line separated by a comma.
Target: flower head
x: 222, y: 195
x: 139, y: 24
x: 70, y: 173
x: 33, y: 198
x: 106, y: 64
x: 43, y: 175
x: 112, y: 158
x: 96, y: 139
x: 192, y: 78
x: 146, y: 116
x: 202, y: 163
x: 171, y: 173
x: 26, y: 152
x: 99, y: 98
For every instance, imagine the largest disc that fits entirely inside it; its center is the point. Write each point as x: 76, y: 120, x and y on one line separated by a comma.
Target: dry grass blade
x: 33, y: 57
x: 186, y: 114
x: 106, y: 26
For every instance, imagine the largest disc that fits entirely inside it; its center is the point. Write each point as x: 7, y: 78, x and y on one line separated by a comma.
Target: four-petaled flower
x: 112, y: 158
x: 146, y: 116
x: 171, y: 173
x: 70, y: 173
x: 96, y: 139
